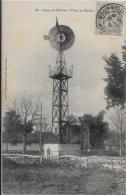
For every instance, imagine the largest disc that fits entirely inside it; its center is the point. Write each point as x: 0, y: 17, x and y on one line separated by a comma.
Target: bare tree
x: 27, y: 107
x: 118, y: 124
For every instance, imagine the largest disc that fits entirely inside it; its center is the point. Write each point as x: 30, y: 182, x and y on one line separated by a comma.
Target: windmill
x: 61, y: 38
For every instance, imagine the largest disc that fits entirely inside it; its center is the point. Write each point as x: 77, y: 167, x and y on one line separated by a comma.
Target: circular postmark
x: 109, y: 19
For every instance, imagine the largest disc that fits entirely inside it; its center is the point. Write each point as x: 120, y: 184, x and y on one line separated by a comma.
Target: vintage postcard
x: 63, y: 97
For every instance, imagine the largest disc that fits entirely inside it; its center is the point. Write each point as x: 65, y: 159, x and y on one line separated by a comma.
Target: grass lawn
x: 31, y: 179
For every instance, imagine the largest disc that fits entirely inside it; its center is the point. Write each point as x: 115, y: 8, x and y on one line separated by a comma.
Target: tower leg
x: 60, y: 111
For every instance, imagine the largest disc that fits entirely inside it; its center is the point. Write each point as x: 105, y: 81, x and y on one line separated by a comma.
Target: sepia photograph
x: 63, y: 124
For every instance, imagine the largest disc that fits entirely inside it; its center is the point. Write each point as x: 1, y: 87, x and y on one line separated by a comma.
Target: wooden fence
x: 67, y: 160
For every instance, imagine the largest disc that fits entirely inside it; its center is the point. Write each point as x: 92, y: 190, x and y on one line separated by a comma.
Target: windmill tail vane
x: 46, y: 37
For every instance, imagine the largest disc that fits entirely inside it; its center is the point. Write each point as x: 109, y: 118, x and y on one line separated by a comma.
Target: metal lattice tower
x: 61, y: 38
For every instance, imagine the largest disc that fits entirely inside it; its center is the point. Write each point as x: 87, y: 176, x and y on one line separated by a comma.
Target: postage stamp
x: 109, y: 19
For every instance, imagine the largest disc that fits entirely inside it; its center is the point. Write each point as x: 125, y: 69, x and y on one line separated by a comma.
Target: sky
x: 27, y: 56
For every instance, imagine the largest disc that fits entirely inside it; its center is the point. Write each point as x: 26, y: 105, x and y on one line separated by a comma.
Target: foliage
x: 26, y: 108
x: 73, y: 119
x: 124, y: 52
x: 116, y: 79
x: 118, y: 120
x: 98, y: 129
x: 113, y: 141
x: 12, y: 126
x: 74, y: 125
x: 118, y: 125
x: 49, y: 137
x: 115, y: 92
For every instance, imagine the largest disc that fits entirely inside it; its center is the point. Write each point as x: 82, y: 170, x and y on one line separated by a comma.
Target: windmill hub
x: 61, y: 34
x: 61, y: 37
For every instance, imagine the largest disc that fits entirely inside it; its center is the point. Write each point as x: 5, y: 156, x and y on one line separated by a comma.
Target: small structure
x: 56, y: 150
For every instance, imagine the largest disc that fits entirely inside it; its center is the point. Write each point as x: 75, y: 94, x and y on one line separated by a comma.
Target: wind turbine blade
x: 57, y: 25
